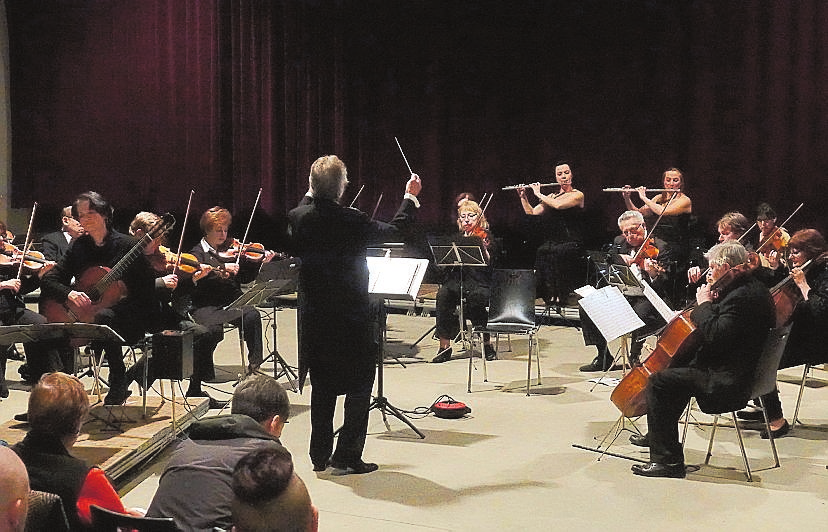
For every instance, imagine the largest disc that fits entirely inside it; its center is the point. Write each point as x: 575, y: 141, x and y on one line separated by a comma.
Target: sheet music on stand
x: 609, y: 310
x: 633, y: 284
x: 395, y: 278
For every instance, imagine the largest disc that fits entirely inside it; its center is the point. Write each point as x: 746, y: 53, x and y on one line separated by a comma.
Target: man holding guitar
x: 114, y: 285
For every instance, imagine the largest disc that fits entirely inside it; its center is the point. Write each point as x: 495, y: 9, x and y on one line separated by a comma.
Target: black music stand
x: 285, y: 271
x: 390, y: 281
x: 450, y: 254
x: 260, y: 292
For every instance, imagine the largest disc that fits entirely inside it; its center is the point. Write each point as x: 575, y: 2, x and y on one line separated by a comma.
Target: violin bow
x: 650, y: 232
x: 357, y: 195
x: 373, y: 214
x: 778, y: 228
x: 183, y: 227
x: 27, y: 243
x: 249, y: 223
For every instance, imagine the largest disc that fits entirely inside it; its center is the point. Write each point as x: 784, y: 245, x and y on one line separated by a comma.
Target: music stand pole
x: 380, y: 402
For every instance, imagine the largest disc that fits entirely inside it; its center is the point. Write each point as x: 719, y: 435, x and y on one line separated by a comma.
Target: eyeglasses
x: 632, y: 230
x: 467, y: 216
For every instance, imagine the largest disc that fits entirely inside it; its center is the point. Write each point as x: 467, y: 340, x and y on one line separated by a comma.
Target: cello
x: 675, y: 345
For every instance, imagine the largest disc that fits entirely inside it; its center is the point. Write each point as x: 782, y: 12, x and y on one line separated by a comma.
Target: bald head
x: 14, y: 496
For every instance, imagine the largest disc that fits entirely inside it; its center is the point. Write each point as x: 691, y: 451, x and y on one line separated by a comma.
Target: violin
x: 165, y: 260
x: 648, y: 250
x: 253, y: 252
x: 10, y: 255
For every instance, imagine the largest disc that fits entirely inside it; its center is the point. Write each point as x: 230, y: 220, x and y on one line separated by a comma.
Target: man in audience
x: 268, y: 495
x: 14, y: 496
x: 195, y: 488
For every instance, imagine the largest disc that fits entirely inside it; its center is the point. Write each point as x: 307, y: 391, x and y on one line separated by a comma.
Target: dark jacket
x: 195, y: 488
x: 55, y: 245
x: 51, y: 468
x: 333, y: 321
x: 733, y: 331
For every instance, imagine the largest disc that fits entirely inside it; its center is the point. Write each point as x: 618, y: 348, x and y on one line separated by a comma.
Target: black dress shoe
x: 322, y: 466
x: 642, y: 440
x: 597, y: 365
x: 215, y: 404
x: 356, y: 468
x: 442, y: 356
x: 489, y: 351
x: 4, y: 390
x: 24, y: 417
x: 750, y: 415
x: 778, y: 433
x: 653, y: 469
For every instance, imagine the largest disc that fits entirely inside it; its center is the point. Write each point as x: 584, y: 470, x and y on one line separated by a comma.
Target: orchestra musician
x: 731, y: 226
x: 625, y: 251
x: 733, y: 320
x: 472, y: 223
x: 55, y: 244
x: 167, y: 285
x: 101, y: 245
x: 809, y: 330
x: 222, y: 285
x: 557, y: 260
x: 42, y: 357
x: 338, y: 345
x: 771, y: 251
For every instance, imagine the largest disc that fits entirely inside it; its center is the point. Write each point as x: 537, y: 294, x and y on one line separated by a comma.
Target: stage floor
x: 511, y: 463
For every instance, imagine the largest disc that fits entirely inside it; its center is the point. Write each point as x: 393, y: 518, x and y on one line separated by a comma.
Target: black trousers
x: 668, y: 394
x: 354, y: 429
x: 474, y: 307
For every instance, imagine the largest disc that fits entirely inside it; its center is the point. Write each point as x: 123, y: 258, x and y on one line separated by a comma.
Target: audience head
x: 94, y: 203
x: 328, y: 178
x: 265, y: 400
x: 14, y: 495
x: 3, y: 231
x: 732, y: 226
x: 58, y: 405
x: 268, y: 495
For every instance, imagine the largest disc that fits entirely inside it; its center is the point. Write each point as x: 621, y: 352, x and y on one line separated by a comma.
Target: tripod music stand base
x: 382, y: 404
x: 286, y: 370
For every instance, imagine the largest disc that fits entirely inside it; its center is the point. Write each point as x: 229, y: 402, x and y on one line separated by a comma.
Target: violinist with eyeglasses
x: 232, y: 264
x: 472, y: 224
x: 637, y: 248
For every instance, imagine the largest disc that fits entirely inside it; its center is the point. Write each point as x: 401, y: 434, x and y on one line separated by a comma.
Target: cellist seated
x: 635, y: 248
x: 733, y: 314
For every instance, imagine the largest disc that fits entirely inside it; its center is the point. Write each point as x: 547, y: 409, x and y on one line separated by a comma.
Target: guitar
x: 103, y: 285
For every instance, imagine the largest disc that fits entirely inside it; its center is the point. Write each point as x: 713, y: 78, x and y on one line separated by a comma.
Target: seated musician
x: 625, y: 251
x: 167, y: 286
x: 808, y: 254
x: 731, y: 226
x: 41, y: 357
x: 733, y: 318
x: 222, y: 285
x: 55, y: 244
x: 476, y: 284
x: 134, y: 314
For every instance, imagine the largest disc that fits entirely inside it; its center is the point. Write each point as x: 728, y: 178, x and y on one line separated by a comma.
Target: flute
x: 515, y: 187
x: 633, y: 189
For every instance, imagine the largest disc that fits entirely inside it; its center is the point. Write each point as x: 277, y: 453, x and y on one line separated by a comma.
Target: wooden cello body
x: 678, y: 339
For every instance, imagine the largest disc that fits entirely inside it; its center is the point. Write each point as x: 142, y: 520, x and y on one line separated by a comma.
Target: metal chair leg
x: 799, y: 397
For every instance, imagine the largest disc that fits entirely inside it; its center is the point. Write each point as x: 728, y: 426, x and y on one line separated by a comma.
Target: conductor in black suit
x: 336, y: 345
x: 55, y: 244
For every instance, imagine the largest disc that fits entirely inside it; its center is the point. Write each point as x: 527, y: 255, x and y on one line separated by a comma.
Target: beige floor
x: 511, y: 464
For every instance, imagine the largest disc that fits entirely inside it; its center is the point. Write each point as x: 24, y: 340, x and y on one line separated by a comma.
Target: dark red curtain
x: 144, y: 101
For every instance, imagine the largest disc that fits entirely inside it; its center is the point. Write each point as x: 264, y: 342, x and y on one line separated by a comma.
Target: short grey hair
x: 731, y: 252
x: 260, y: 397
x: 631, y: 215
x: 328, y: 178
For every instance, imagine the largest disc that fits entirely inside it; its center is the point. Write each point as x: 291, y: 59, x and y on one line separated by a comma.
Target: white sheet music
x: 396, y: 278
x: 652, y: 296
x: 611, y: 313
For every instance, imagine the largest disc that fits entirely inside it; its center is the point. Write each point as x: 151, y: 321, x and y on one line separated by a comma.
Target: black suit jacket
x: 54, y: 245
x: 334, y: 324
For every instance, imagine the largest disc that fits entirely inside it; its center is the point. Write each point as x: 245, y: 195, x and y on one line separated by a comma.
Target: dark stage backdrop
x: 144, y: 101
